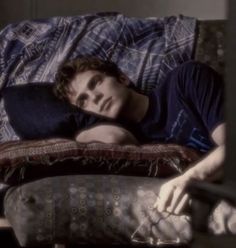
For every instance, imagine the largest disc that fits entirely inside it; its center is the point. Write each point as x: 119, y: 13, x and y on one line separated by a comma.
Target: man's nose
x: 97, y: 96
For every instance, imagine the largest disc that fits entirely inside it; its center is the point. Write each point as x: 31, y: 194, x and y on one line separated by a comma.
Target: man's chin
x: 113, y: 113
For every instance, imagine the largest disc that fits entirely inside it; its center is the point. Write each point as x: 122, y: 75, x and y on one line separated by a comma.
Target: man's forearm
x: 210, y: 167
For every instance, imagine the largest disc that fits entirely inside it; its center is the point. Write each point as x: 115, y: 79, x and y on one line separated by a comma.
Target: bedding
x: 145, y: 49
x: 23, y: 161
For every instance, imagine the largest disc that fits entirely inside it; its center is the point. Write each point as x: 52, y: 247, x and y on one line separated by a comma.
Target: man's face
x: 95, y: 92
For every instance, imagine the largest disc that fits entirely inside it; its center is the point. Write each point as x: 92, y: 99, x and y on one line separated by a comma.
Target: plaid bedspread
x: 145, y: 49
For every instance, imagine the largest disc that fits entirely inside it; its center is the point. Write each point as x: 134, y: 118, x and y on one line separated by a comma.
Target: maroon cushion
x: 22, y: 161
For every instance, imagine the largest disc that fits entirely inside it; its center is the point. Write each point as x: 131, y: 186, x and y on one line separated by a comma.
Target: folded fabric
x: 144, y: 48
x: 22, y: 161
x: 32, y: 50
x: 93, y: 209
x: 35, y: 112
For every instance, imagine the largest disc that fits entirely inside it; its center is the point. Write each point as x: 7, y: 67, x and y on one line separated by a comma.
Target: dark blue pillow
x: 36, y: 113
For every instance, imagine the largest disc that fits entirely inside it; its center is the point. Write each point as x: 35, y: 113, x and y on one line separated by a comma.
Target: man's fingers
x: 177, y: 205
x: 163, y: 199
x: 181, y: 204
x: 156, y: 203
x: 177, y: 196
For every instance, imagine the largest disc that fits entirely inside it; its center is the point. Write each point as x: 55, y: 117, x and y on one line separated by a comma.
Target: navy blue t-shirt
x: 185, y: 108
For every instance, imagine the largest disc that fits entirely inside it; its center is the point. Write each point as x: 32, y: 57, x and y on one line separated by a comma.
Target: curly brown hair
x: 68, y: 71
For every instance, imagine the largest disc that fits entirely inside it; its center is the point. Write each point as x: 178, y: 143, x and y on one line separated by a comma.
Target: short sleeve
x: 204, y: 88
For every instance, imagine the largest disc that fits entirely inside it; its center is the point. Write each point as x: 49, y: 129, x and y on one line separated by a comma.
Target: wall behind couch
x: 15, y: 10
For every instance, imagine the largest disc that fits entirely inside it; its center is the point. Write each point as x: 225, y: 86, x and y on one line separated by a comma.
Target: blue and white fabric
x: 146, y: 49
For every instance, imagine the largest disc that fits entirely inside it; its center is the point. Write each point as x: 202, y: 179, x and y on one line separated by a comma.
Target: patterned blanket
x: 145, y: 49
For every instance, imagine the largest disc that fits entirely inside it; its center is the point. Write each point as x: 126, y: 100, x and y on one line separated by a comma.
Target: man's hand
x: 172, y: 197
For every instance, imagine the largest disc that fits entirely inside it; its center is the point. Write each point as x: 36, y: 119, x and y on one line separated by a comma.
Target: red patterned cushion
x: 22, y: 161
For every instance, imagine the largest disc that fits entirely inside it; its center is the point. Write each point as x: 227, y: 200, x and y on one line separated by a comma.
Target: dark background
x: 15, y: 10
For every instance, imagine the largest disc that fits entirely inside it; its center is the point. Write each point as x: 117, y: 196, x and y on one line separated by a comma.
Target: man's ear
x: 124, y: 79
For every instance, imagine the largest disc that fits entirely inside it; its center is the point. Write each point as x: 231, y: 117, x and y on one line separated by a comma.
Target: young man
x: 187, y: 109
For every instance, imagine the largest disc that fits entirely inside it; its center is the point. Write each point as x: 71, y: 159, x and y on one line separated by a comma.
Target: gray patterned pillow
x: 93, y: 209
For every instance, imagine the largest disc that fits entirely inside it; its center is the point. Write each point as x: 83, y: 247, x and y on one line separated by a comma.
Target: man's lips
x: 106, y: 103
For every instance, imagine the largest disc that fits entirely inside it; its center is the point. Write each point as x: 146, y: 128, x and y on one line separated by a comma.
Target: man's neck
x: 137, y: 107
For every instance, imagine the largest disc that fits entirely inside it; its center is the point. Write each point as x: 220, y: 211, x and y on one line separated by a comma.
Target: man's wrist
x: 194, y: 173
